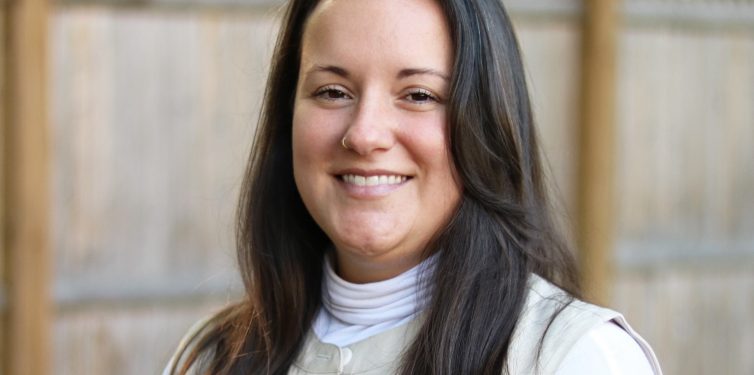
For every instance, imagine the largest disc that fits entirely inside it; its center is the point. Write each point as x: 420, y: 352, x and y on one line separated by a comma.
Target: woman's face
x: 377, y: 73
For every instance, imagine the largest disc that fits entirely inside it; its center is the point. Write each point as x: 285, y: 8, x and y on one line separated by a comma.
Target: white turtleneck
x: 353, y: 312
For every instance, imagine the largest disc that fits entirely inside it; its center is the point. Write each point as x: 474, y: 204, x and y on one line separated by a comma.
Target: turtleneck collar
x: 352, y: 312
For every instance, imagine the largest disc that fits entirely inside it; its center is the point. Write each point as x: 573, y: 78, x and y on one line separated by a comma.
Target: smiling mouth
x: 359, y: 180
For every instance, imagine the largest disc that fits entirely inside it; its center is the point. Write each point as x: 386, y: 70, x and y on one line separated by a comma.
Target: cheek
x: 444, y: 190
x: 304, y: 151
x: 308, y: 140
x: 314, y: 139
x: 428, y: 145
x: 316, y: 131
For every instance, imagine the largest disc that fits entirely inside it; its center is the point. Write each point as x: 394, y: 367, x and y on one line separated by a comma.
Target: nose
x: 372, y: 126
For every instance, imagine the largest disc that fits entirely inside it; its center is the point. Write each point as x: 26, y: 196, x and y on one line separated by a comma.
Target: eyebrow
x: 330, y: 69
x: 404, y: 73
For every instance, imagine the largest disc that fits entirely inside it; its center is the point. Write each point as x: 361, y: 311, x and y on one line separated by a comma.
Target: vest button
x: 346, y: 355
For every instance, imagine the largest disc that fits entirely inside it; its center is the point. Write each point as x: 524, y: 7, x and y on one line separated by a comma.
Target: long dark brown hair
x: 501, y: 233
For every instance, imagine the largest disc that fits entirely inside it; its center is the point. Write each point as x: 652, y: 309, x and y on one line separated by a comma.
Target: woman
x: 393, y: 217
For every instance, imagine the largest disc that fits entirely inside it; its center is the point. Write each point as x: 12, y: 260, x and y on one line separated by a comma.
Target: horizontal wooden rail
x: 710, y: 14
x: 72, y: 297
x: 659, y: 253
x: 715, y: 14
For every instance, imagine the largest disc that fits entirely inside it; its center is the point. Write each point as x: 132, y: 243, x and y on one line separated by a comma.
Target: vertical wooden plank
x: 26, y: 196
x: 596, y: 212
x: 3, y: 330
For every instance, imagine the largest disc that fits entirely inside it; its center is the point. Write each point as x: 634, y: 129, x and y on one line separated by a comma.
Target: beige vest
x: 380, y: 354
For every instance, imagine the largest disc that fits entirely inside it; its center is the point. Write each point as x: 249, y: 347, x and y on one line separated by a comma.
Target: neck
x: 361, y: 270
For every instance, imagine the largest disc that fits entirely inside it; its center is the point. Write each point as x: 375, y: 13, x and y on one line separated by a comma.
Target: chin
x: 369, y: 249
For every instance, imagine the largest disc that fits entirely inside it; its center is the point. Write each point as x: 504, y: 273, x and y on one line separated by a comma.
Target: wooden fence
x: 152, y: 109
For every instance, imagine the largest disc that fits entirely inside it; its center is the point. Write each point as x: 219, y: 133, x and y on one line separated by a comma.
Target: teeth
x: 373, y: 180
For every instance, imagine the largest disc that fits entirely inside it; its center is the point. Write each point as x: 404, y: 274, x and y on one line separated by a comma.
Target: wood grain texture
x: 154, y: 114
x: 122, y: 341
x: 685, y: 176
x: 27, y: 190
x: 698, y: 319
x: 686, y: 161
x: 551, y: 87
x: 154, y: 118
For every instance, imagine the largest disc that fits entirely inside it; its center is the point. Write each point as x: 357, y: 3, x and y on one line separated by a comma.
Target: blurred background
x: 126, y: 125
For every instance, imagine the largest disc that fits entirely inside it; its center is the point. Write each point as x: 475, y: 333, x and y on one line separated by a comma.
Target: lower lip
x: 367, y: 192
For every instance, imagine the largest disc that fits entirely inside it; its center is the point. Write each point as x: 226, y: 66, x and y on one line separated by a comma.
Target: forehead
x: 400, y: 31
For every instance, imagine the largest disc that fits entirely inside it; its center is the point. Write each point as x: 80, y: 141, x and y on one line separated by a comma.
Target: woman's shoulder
x: 607, y: 349
x: 199, y: 344
x: 546, y: 301
x: 188, y: 344
x: 552, y: 322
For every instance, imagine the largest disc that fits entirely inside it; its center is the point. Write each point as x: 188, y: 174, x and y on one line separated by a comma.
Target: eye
x: 331, y: 93
x: 421, y: 96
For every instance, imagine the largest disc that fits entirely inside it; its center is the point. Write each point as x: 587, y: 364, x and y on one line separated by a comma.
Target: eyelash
x: 426, y: 93
x: 322, y: 93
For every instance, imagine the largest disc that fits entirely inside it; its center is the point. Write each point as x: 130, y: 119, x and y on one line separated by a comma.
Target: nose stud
x: 343, y: 143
